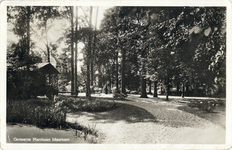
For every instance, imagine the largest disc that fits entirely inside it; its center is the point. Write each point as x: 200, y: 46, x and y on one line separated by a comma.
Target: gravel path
x: 151, y: 121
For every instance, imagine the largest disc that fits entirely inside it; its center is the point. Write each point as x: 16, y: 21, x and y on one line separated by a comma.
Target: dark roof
x: 46, y: 68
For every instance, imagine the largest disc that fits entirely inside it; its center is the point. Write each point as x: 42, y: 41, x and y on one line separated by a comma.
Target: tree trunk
x: 155, y: 89
x: 143, y: 81
x: 167, y: 93
x: 48, y: 51
x: 76, y: 53
x: 93, y: 50
x: 183, y: 90
x: 116, y: 73
x: 88, y: 90
x: 72, y: 52
x: 143, y: 88
x: 123, y: 90
x: 177, y: 88
x: 187, y: 89
x: 150, y: 87
x: 91, y: 71
x: 110, y: 80
x: 167, y: 85
x: 99, y: 77
x: 28, y: 28
x: 196, y: 89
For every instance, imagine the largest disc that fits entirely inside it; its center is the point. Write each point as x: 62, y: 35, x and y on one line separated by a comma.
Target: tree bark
x: 143, y: 80
x: 91, y: 70
x: 99, y: 77
x: 177, y: 88
x: 183, y: 90
x: 93, y: 50
x: 187, y: 89
x: 167, y: 85
x: 123, y: 90
x: 150, y: 87
x: 88, y: 90
x: 72, y: 51
x: 155, y: 89
x: 196, y: 89
x: 166, y: 92
x: 48, y: 51
x: 143, y: 88
x: 116, y: 73
x: 28, y: 28
x: 76, y: 53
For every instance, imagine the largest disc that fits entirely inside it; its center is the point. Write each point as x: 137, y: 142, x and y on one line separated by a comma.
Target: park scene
x: 116, y: 75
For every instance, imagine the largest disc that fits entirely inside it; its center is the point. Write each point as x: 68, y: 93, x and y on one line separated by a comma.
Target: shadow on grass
x: 217, y: 117
x: 124, y: 112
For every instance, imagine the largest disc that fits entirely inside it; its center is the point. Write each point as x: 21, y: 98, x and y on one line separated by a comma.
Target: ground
x: 141, y: 121
x: 155, y: 121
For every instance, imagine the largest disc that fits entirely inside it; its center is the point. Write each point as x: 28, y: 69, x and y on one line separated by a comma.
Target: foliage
x: 171, y: 46
x: 22, y: 84
x: 93, y: 105
x: 41, y: 113
x: 195, y: 37
x: 177, y: 45
x: 48, y: 114
x: 89, y: 133
x: 205, y: 105
x: 119, y: 96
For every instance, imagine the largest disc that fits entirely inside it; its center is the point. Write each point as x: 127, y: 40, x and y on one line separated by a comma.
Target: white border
x: 3, y: 47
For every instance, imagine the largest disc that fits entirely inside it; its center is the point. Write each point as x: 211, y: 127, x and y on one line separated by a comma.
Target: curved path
x: 151, y: 121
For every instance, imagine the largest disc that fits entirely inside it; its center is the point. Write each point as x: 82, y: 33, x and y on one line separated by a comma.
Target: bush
x: 93, y: 105
x: 45, y: 113
x: 119, y: 96
x: 205, y: 105
x: 41, y: 113
x: 22, y: 84
x: 50, y: 117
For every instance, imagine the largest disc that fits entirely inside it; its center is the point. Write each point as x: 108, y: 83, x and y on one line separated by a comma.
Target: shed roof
x: 46, y: 68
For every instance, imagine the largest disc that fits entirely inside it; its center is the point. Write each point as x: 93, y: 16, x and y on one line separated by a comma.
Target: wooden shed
x: 47, y: 79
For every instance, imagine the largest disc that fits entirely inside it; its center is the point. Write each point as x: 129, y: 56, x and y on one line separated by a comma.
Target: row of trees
x: 173, y: 46
x: 169, y: 46
x: 31, y: 23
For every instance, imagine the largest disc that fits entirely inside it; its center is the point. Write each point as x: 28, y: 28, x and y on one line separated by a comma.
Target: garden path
x: 151, y: 121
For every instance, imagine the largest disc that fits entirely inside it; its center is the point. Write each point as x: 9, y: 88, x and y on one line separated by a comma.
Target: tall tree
x: 45, y: 16
x: 94, y: 47
x: 21, y: 17
x: 88, y: 90
x: 72, y: 49
x: 76, y: 52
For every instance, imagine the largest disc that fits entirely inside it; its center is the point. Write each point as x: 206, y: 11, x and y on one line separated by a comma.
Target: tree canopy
x: 181, y: 48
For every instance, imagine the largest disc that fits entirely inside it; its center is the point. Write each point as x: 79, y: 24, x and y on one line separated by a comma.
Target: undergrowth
x: 45, y: 113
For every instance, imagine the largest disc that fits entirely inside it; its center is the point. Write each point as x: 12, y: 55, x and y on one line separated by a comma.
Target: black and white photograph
x: 90, y: 74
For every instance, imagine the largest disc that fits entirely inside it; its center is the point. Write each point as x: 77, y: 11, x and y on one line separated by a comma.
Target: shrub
x: 93, y: 105
x: 205, y: 105
x: 41, y: 113
x: 50, y: 117
x: 119, y: 96
x: 22, y: 84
